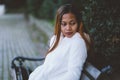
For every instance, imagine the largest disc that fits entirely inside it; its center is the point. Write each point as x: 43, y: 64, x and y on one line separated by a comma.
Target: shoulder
x: 78, y: 46
x: 52, y: 40
x: 77, y: 41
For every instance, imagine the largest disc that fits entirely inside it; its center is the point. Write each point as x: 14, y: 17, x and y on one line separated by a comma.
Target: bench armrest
x: 22, y: 59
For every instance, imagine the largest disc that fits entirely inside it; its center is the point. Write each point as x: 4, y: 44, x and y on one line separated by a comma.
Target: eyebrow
x: 69, y: 21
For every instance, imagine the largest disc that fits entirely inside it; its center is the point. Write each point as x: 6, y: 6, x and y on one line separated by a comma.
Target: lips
x: 68, y: 33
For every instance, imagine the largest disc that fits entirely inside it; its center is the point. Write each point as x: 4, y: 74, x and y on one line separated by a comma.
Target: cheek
x: 75, y: 28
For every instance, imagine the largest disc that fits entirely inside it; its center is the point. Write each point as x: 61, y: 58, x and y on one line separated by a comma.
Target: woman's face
x: 68, y: 25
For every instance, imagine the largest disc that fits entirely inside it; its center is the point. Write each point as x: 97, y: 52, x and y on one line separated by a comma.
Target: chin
x: 69, y: 36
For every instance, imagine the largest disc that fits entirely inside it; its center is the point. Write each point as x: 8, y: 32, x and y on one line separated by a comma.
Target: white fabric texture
x: 65, y: 62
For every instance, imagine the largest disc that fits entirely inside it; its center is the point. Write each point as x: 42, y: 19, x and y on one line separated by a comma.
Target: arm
x: 77, y: 57
x: 35, y: 73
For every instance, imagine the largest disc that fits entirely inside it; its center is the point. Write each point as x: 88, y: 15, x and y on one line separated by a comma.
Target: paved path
x: 14, y: 41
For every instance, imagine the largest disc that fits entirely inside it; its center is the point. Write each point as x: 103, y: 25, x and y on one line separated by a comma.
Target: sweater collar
x: 74, y: 36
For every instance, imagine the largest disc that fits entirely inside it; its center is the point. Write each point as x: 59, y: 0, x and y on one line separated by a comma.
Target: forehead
x: 68, y: 16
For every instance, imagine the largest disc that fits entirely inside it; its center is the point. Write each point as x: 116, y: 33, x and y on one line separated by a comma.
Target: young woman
x: 68, y: 48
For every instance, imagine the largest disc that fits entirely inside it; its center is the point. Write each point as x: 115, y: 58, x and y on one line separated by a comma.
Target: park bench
x: 89, y: 72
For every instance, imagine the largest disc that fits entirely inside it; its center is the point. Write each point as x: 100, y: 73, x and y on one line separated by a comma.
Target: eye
x: 63, y: 24
x: 72, y: 23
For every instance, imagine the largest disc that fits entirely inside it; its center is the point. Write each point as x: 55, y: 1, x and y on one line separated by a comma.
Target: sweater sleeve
x: 32, y: 76
x: 77, y: 58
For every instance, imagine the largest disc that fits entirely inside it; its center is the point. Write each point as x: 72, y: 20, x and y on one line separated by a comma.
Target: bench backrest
x: 90, y: 72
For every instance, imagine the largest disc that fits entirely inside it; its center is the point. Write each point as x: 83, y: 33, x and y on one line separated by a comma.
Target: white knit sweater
x: 65, y: 62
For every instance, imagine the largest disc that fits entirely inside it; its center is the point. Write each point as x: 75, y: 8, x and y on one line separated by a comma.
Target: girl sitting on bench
x: 68, y: 48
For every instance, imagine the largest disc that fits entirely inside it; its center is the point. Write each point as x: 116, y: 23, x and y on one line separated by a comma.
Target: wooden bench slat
x: 90, y: 72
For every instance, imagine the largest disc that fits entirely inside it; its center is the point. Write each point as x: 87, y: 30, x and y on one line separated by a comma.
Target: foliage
x: 48, y: 8
x: 102, y: 19
x: 34, y: 6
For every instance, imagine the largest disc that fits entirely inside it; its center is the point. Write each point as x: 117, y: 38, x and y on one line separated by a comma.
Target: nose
x: 68, y: 27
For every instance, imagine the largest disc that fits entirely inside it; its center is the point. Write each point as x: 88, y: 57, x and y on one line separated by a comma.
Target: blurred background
x: 27, y: 25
